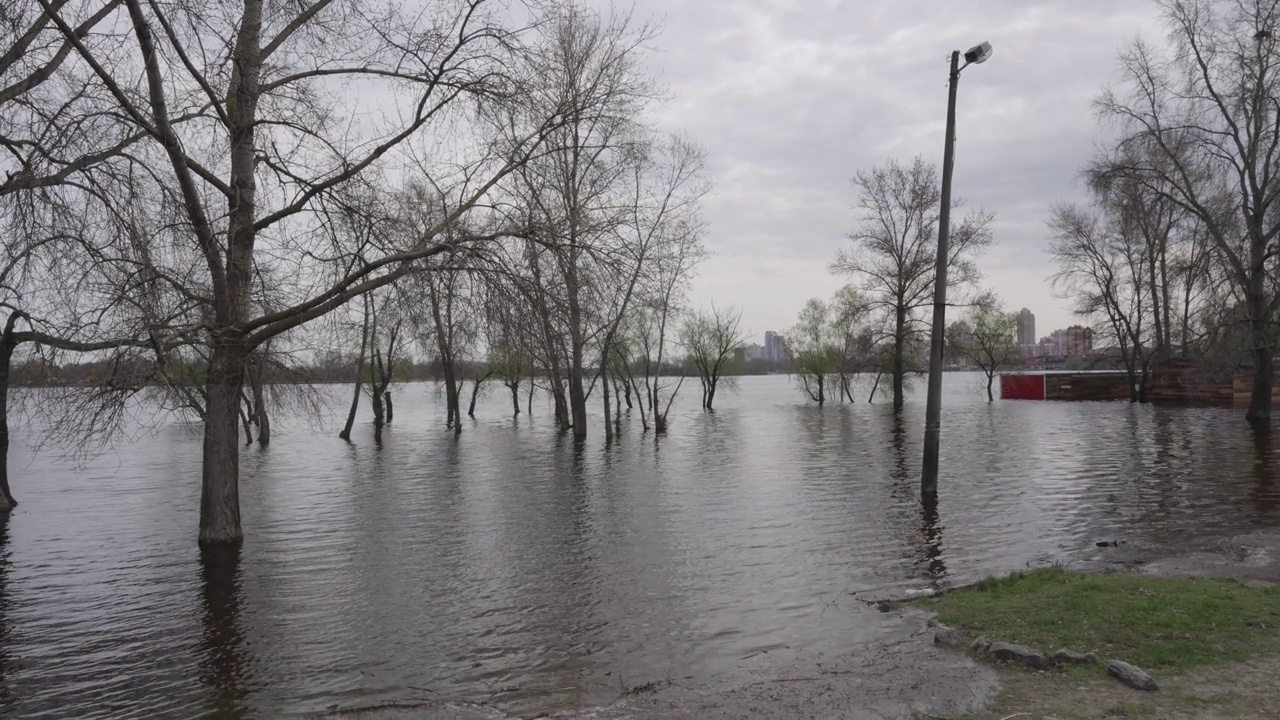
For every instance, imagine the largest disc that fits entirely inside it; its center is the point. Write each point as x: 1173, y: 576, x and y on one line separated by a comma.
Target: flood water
x: 509, y: 566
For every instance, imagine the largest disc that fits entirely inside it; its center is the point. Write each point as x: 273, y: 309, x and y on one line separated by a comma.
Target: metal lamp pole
x: 933, y: 407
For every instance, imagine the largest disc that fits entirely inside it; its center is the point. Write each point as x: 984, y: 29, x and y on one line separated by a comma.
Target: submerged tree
x: 854, y: 334
x: 1102, y: 266
x: 813, y: 352
x: 1200, y: 130
x: 711, y: 338
x: 988, y: 339
x: 242, y: 118
x: 894, y: 254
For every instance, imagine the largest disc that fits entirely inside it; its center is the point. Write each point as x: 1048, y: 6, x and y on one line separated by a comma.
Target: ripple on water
x: 509, y: 565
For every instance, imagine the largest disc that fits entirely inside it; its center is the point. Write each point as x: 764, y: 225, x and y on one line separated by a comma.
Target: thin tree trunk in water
x: 1259, y: 413
x: 899, y: 360
x: 260, y: 405
x: 375, y: 399
x: 608, y: 427
x: 644, y: 419
x: 220, y: 473
x: 990, y: 379
x: 627, y: 394
x: 355, y: 395
x: 454, y: 405
x: 531, y: 386
x: 874, y: 386
x: 475, y: 392
x: 7, y: 345
x: 244, y: 418
x: 386, y: 398
x: 711, y: 392
x: 617, y: 407
x: 577, y: 395
x: 515, y: 396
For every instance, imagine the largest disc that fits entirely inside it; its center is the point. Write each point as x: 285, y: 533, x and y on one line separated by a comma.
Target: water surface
x: 509, y: 565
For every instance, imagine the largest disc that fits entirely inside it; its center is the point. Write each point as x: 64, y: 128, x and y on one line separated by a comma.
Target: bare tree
x: 360, y: 360
x: 385, y: 337
x: 250, y: 138
x: 573, y: 189
x: 895, y: 250
x: 854, y: 335
x: 988, y: 339
x: 812, y: 351
x: 1200, y: 130
x: 711, y: 338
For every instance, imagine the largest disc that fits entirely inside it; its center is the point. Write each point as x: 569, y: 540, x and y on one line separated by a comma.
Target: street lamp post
x: 933, y: 409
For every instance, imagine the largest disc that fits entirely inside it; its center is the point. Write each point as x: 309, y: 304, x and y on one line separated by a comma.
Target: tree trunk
x: 1259, y: 413
x: 386, y: 398
x: 260, y: 405
x: 7, y: 345
x: 899, y: 358
x: 608, y: 427
x: 711, y: 392
x: 558, y: 400
x: 515, y: 397
x: 244, y: 419
x: 475, y: 392
x: 220, y: 481
x: 453, y: 414
x: 355, y: 395
x: 532, y: 385
x: 617, y: 406
x: 375, y: 399
x: 644, y: 419
x: 577, y: 394
x: 874, y: 386
x: 991, y: 376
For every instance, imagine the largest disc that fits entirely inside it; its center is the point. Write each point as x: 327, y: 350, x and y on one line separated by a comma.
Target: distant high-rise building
x: 775, y: 349
x: 1026, y: 328
x: 1079, y: 341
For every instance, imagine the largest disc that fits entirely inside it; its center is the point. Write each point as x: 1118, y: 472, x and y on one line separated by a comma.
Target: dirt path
x: 1229, y: 692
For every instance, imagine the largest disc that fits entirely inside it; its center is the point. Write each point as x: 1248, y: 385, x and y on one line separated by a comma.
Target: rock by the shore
x: 1065, y: 656
x: 1012, y: 652
x: 948, y: 636
x: 980, y: 644
x: 1131, y: 675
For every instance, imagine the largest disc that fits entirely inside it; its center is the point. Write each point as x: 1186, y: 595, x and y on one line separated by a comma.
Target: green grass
x: 1156, y: 623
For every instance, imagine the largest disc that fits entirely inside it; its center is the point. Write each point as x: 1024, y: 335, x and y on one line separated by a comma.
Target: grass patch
x: 1157, y: 623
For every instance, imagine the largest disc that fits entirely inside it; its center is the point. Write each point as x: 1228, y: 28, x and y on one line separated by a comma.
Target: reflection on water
x: 516, y: 566
x: 224, y: 663
x: 7, y: 700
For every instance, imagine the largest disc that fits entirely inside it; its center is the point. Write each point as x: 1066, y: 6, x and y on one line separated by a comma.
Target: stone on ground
x: 1065, y: 656
x: 948, y: 636
x: 1012, y: 652
x: 1131, y: 675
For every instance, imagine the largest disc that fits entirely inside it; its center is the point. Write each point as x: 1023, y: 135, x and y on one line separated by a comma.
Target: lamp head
x: 978, y: 54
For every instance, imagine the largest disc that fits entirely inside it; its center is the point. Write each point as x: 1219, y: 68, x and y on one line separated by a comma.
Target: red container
x: 1022, y: 387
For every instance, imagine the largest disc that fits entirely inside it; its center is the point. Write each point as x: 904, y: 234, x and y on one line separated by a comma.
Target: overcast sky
x: 791, y: 97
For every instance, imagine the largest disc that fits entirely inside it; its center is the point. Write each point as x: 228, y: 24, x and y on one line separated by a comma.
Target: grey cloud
x: 790, y: 99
